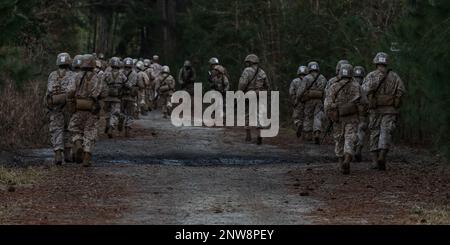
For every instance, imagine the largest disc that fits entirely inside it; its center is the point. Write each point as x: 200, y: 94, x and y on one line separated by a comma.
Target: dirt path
x: 168, y: 175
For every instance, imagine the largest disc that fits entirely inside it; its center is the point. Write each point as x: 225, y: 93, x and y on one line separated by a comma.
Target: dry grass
x: 18, y: 176
x: 23, y: 121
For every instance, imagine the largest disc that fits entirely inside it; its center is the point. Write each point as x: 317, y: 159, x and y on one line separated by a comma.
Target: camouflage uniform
x: 165, y: 87
x: 313, y: 99
x: 298, y: 106
x: 144, y: 84
x: 115, y: 80
x: 342, y: 106
x: 384, y: 101
x: 219, y: 80
x: 187, y: 77
x: 154, y: 72
x: 358, y: 76
x: 253, y: 78
x: 85, y: 121
x: 59, y: 83
x: 129, y: 97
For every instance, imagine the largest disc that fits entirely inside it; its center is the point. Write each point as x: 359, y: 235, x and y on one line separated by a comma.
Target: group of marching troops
x: 352, y: 103
x: 84, y: 86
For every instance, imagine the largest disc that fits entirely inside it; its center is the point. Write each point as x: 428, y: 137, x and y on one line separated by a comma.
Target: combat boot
x: 107, y: 129
x: 374, y: 159
x: 58, y: 157
x: 382, y: 160
x: 78, y: 151
x: 248, y: 138
x: 110, y: 134
x: 358, y: 154
x: 317, y: 137
x: 345, y: 169
x: 87, y: 159
x: 68, y: 156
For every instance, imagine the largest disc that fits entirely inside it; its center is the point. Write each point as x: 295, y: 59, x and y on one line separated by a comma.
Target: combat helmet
x: 63, y: 59
x: 214, y: 61
x: 128, y: 62
x: 359, y: 71
x: 252, y: 58
x: 187, y: 63
x: 381, y: 59
x: 165, y: 69
x: 140, y: 65
x: 302, y: 70
x: 339, y: 65
x: 88, y: 62
x: 147, y: 63
x: 77, y: 60
x: 313, y: 66
x: 115, y: 62
x: 346, y: 71
x: 220, y: 69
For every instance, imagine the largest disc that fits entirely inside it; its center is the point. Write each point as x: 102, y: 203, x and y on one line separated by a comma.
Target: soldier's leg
x: 362, y: 128
x: 164, y: 108
x: 318, y: 118
x: 76, y: 128
x: 374, y: 127
x: 350, y: 140
x: 338, y: 136
x: 56, y: 127
x: 387, y: 127
x: 90, y: 136
x: 309, y: 121
x: 115, y: 115
x: 129, y: 108
x: 107, y: 110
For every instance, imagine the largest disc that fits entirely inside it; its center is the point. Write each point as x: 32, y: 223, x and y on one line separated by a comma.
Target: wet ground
x: 168, y: 175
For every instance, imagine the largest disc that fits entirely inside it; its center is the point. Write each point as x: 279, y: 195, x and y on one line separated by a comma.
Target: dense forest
x: 284, y: 33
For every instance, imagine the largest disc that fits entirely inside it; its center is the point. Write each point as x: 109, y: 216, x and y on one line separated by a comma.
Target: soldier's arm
x: 243, y: 80
x: 226, y: 82
x: 180, y: 77
x: 401, y: 89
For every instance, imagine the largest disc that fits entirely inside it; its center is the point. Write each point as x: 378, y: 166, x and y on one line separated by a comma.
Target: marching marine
x: 187, y: 77
x: 253, y: 78
x: 342, y: 107
x: 130, y: 93
x: 298, y: 106
x: 114, y: 80
x: 384, y: 90
x: 165, y: 87
x: 311, y: 92
x: 86, y: 93
x: 58, y: 85
x: 358, y: 75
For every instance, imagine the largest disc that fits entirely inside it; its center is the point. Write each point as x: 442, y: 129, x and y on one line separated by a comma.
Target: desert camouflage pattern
x: 129, y: 102
x: 344, y: 92
x: 313, y: 113
x: 363, y: 125
x: 115, y: 80
x: 143, y: 82
x: 298, y: 106
x: 220, y: 82
x: 84, y: 124
x: 254, y: 78
x: 382, y: 119
x: 59, y: 82
x: 165, y: 87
